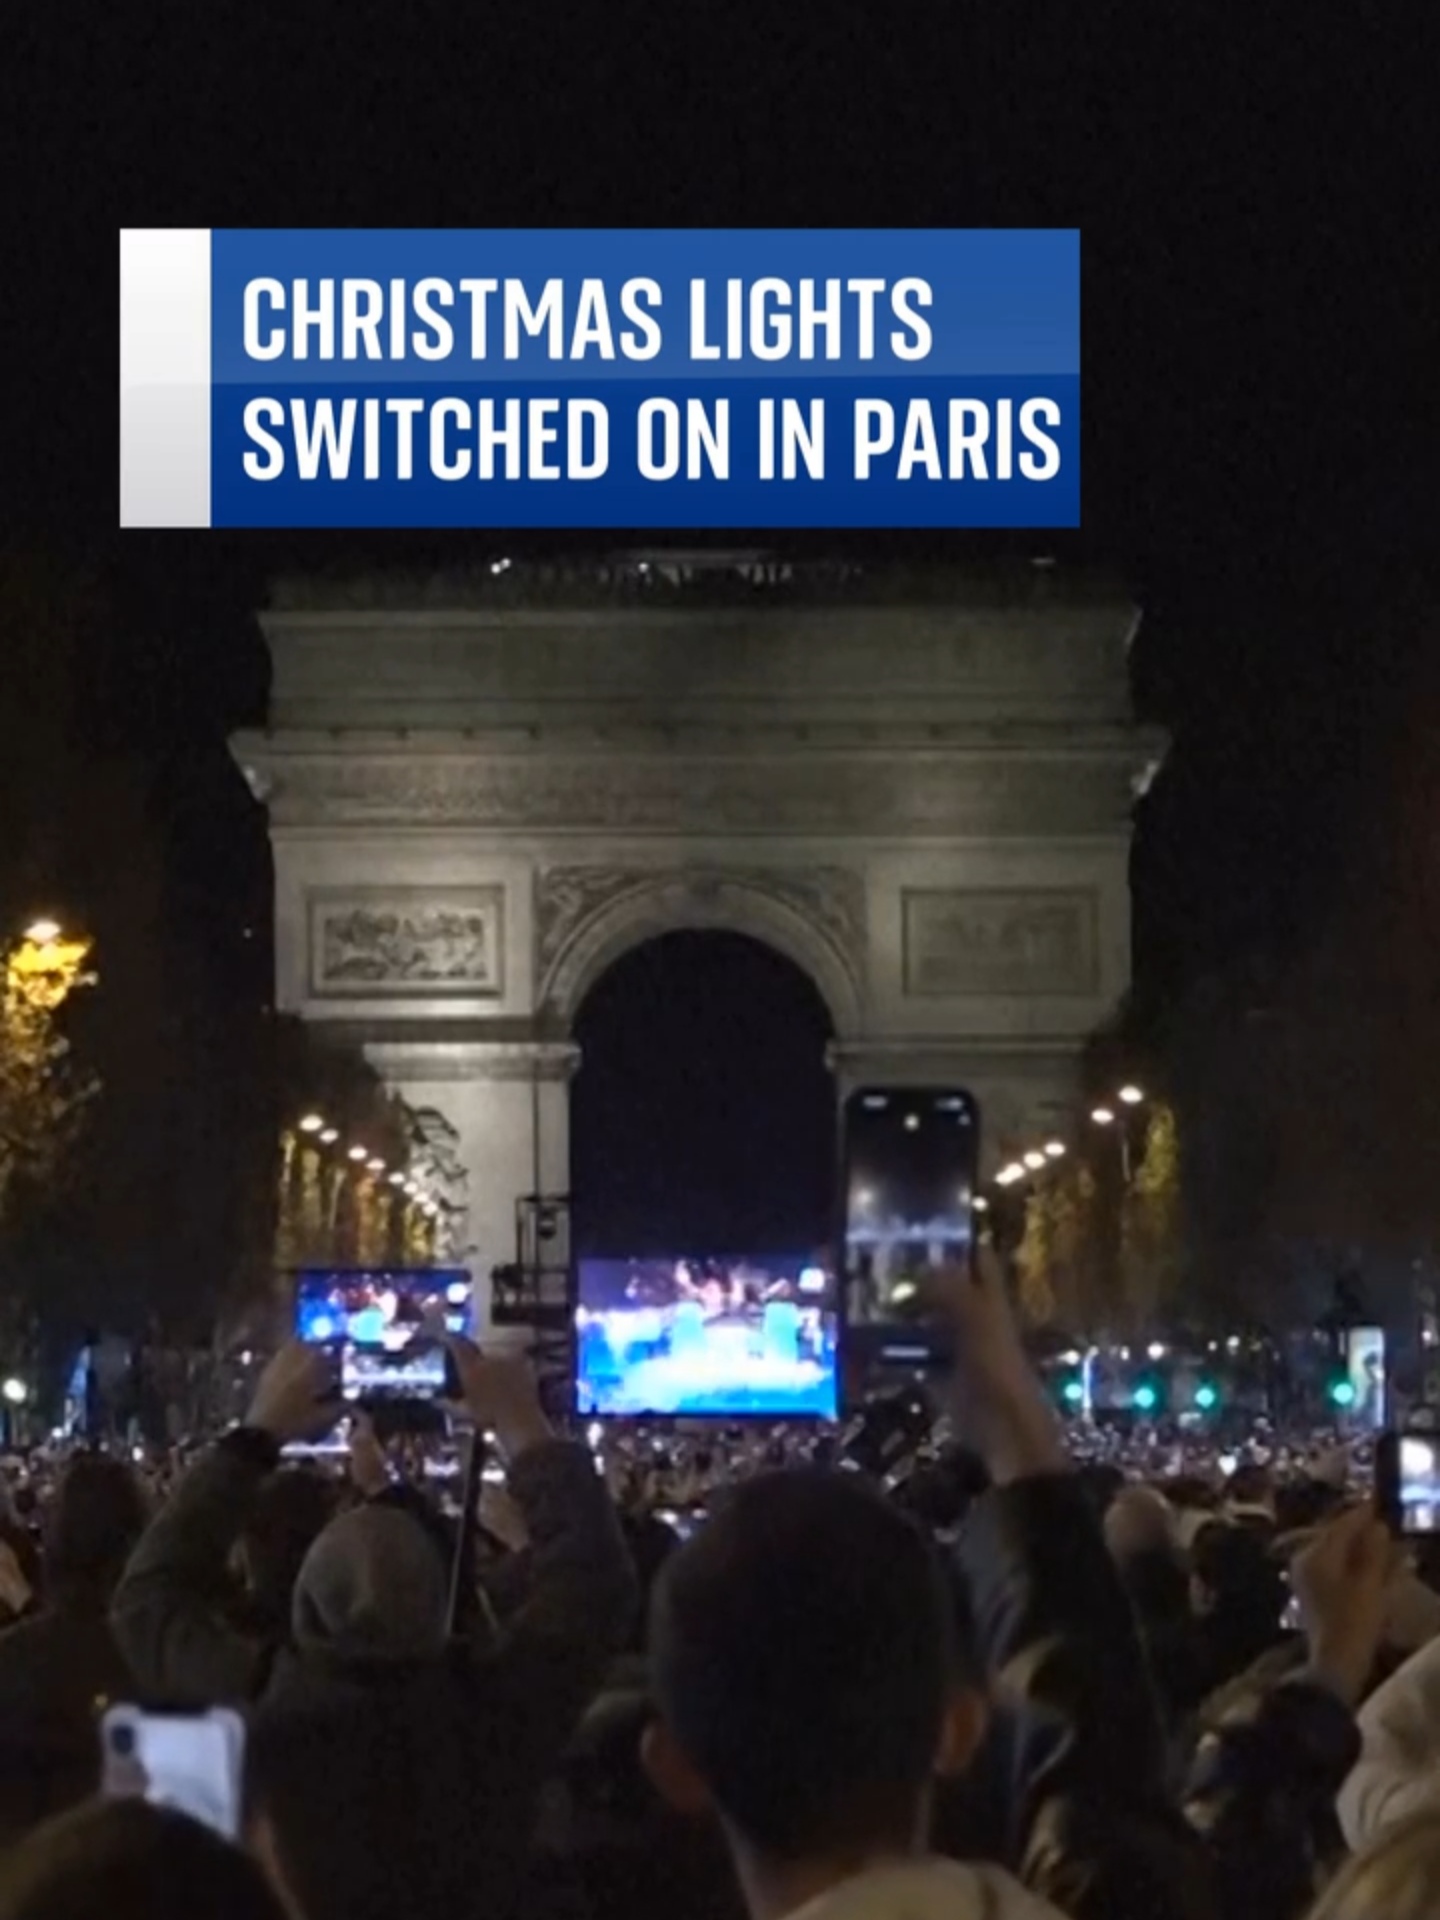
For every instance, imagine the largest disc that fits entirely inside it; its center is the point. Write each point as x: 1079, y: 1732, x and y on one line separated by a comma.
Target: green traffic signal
x: 1072, y: 1393
x: 1206, y: 1398
x: 1144, y: 1399
x: 1342, y: 1393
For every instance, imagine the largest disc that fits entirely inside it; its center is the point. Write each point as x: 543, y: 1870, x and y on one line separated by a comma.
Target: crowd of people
x: 990, y: 1670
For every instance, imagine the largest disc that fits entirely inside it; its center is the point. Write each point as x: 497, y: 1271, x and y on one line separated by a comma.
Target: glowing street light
x: 1034, y: 1161
x: 16, y: 1392
x: 357, y: 1154
x: 980, y: 1204
x: 43, y: 932
x: 313, y: 1123
x: 1102, y: 1116
x: 1131, y: 1095
x: 328, y: 1136
x: 1054, y: 1149
x: 375, y: 1165
x: 397, y: 1179
x: 1007, y: 1176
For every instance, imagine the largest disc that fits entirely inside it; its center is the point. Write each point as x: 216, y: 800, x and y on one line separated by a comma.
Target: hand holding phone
x: 296, y: 1399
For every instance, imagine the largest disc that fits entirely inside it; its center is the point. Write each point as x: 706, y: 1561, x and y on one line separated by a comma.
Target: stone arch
x: 588, y: 919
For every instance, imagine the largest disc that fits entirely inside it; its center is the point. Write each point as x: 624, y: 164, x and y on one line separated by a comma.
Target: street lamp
x: 15, y: 1392
x: 43, y: 932
x: 1034, y: 1161
x: 312, y: 1123
x: 1131, y: 1094
x: 1102, y: 1116
x: 1054, y: 1149
x: 357, y: 1154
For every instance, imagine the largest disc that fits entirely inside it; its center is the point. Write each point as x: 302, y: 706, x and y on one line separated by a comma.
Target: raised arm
x: 165, y: 1612
x: 1079, y: 1741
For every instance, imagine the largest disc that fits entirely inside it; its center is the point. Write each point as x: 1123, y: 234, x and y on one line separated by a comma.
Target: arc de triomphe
x: 483, y: 790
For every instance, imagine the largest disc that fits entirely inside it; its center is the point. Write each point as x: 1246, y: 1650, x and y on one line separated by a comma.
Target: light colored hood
x: 930, y: 1889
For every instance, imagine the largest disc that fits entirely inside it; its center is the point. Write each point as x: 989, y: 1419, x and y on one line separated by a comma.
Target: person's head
x: 1394, y: 1880
x: 373, y: 1589
x: 128, y: 1860
x: 1140, y: 1521
x: 1235, y: 1577
x: 809, y: 1680
x: 1250, y: 1489
x: 93, y: 1524
x: 292, y: 1511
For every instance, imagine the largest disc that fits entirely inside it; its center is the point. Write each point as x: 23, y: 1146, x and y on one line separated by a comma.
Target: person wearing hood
x: 390, y: 1770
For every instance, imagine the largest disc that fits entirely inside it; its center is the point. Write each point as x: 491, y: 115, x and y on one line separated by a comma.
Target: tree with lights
x: 45, y: 1099
x: 1151, y: 1238
x: 44, y: 1092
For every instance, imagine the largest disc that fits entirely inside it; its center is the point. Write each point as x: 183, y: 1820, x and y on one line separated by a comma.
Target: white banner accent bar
x: 165, y: 377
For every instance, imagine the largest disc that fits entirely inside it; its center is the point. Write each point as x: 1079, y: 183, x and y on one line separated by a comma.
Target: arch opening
x: 703, y: 1114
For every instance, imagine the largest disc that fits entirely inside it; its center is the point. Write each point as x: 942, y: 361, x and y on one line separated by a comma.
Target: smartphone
x: 387, y: 1330
x: 1407, y: 1481
x: 911, y: 1163
x: 192, y: 1762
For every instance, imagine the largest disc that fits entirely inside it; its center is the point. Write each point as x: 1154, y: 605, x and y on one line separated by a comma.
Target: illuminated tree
x: 1151, y: 1234
x: 44, y: 1091
x: 1035, y: 1257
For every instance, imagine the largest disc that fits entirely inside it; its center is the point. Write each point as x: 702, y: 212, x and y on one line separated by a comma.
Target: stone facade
x: 919, y: 792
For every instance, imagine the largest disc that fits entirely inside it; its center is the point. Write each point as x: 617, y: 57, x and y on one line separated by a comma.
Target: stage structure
x: 482, y: 790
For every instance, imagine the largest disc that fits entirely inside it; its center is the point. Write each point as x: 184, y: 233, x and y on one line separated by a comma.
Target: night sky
x: 1260, y: 303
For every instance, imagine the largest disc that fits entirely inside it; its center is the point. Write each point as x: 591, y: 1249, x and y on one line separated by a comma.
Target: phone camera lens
x: 122, y: 1743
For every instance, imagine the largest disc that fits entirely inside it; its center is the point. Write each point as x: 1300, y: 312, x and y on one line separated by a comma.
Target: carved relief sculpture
x: 988, y: 941
x: 393, y: 944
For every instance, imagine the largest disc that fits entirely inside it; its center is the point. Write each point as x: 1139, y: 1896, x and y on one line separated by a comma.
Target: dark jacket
x: 1075, y: 1764
x: 397, y: 1790
x: 58, y: 1670
x: 1272, y: 1757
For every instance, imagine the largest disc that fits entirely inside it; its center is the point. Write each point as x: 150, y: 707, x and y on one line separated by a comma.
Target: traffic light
x: 1342, y: 1393
x: 1145, y: 1398
x: 1073, y: 1393
x: 1207, y: 1397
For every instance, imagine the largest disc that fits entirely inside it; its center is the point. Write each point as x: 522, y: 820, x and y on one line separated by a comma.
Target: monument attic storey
x: 483, y: 790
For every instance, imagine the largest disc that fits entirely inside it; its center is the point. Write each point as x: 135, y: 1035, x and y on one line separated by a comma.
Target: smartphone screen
x: 191, y: 1762
x: 910, y: 1165
x: 387, y: 1329
x: 1419, y: 1482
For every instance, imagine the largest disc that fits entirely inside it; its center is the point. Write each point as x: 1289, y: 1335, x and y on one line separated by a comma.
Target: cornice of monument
x: 668, y: 579
x: 1000, y: 739
x: 872, y: 793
